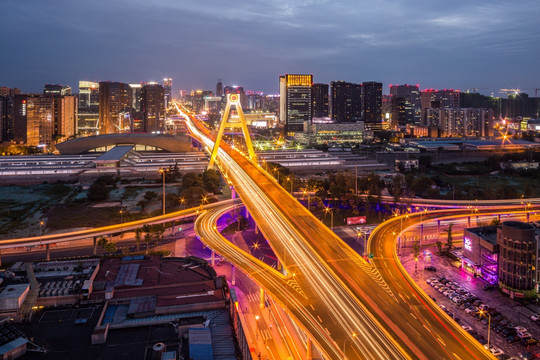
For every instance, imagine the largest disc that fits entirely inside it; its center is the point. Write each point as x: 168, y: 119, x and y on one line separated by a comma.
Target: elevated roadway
x: 342, y: 301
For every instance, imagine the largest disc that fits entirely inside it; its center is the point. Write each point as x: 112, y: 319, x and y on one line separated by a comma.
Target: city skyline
x: 441, y: 45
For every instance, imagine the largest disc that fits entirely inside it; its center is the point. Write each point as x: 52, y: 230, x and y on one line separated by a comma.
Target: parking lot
x: 463, y: 297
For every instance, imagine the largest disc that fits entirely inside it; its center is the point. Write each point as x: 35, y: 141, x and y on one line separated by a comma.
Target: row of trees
x: 148, y: 233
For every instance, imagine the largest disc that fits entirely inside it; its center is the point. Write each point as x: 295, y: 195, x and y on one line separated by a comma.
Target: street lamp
x: 308, y: 199
x: 276, y: 170
x: 327, y: 210
x: 289, y: 179
x: 163, y: 171
x: 353, y: 335
x: 204, y: 200
x: 183, y: 202
x: 41, y: 223
x: 482, y: 312
x: 121, y: 223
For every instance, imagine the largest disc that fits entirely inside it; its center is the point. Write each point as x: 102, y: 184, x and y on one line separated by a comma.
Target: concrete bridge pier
x: 469, y: 220
x: 438, y: 227
x: 47, y: 252
x: 213, y: 258
x: 94, y: 249
x: 233, y: 193
x: 233, y: 275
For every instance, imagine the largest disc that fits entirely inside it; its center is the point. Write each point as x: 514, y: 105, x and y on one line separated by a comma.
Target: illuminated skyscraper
x: 295, y: 101
x: 65, y: 116
x: 33, y: 120
x: 372, y: 105
x: 88, y: 114
x: 153, y: 107
x: 114, y: 98
x: 319, y: 98
x: 136, y: 96
x: 167, y: 87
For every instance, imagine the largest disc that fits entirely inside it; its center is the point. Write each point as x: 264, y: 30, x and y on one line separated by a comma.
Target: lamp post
x: 277, y: 171
x: 121, y: 223
x: 308, y: 200
x: 183, y: 202
x: 289, y: 179
x: 482, y: 312
x: 353, y: 335
x: 327, y: 210
x: 41, y: 223
x: 163, y: 171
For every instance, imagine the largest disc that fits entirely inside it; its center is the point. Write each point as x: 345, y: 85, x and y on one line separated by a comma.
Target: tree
x: 439, y: 247
x: 495, y: 222
x: 106, y: 245
x: 211, y: 180
x: 396, y: 187
x: 98, y: 191
x: 138, y: 233
x: 449, y: 240
x: 338, y: 186
x: 191, y: 179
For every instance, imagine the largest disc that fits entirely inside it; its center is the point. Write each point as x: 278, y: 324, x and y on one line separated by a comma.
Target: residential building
x: 372, y: 105
x: 411, y: 102
x: 114, y: 98
x: 346, y: 101
x: 153, y: 107
x: 56, y: 90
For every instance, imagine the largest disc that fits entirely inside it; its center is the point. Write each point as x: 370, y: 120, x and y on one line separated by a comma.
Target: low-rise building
x: 481, y: 253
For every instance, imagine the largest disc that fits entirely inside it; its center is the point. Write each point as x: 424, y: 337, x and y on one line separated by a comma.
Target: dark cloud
x: 439, y: 44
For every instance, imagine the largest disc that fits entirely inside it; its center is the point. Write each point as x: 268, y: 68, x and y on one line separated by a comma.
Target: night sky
x: 436, y: 44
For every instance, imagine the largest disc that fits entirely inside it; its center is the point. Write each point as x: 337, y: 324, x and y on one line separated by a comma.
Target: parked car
x: 489, y: 287
x: 535, y: 317
x: 495, y: 351
x: 471, y: 310
x: 512, y: 339
x: 529, y: 341
x: 466, y: 327
x: 430, y: 268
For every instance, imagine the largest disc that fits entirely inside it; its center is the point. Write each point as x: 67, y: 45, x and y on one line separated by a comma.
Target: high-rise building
x: 153, y: 107
x: 6, y: 118
x: 456, y: 122
x: 295, y: 101
x: 167, y: 90
x: 114, y: 98
x: 398, y: 112
x: 136, y: 96
x: 372, y: 105
x: 412, y: 106
x: 319, y: 98
x: 56, y: 90
x: 5, y: 91
x: 219, y: 88
x: 345, y: 101
x: 65, y: 116
x: 33, y: 120
x: 88, y: 110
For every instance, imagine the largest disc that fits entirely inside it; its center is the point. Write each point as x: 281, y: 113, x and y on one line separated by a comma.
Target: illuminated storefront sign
x: 467, y: 244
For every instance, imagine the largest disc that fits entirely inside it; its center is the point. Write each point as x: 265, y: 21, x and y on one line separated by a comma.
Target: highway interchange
x: 351, y: 309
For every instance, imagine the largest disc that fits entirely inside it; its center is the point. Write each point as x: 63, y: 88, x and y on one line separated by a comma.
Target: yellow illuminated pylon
x: 232, y: 99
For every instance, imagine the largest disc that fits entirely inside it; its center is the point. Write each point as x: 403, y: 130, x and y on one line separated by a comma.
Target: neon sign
x: 467, y: 244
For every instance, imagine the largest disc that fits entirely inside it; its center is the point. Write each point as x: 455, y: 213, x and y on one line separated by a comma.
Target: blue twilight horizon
x: 436, y: 44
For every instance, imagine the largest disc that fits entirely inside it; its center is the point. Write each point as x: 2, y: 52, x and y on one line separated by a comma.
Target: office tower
x: 136, y: 96
x: 412, y: 106
x: 56, y: 90
x: 33, y: 120
x: 114, y: 97
x: 65, y: 116
x: 320, y: 101
x: 295, y: 101
x: 219, y: 88
x: 6, y: 118
x: 88, y: 109
x: 167, y: 90
x: 346, y: 101
x: 153, y: 107
x: 398, y: 112
x: 5, y: 91
x: 372, y: 105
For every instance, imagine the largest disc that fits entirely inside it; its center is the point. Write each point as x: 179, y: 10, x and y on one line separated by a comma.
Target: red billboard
x: 356, y: 220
